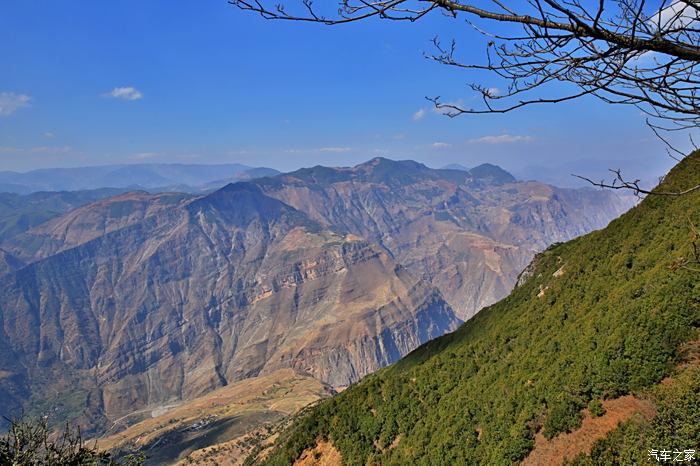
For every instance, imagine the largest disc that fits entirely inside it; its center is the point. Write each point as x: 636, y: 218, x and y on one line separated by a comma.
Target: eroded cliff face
x: 226, y: 287
x: 467, y: 233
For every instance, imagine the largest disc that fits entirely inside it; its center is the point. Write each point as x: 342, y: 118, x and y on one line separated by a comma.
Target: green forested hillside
x: 595, y: 318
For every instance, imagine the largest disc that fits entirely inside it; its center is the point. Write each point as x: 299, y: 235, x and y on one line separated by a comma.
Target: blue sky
x: 86, y: 83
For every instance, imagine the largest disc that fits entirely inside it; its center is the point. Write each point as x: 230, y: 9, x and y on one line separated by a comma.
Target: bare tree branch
x: 619, y: 182
x: 622, y: 51
x: 626, y: 52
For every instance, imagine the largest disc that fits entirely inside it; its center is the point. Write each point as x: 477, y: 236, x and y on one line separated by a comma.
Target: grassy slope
x: 611, y: 324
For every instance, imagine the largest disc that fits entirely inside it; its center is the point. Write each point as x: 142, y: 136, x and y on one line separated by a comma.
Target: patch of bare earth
x: 690, y: 353
x: 567, y: 446
x: 323, y: 454
x: 394, y: 444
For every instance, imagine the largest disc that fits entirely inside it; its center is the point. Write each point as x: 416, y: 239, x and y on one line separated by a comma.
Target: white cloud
x: 646, y: 58
x: 126, y: 93
x: 441, y: 145
x: 335, y: 149
x: 675, y: 16
x: 419, y: 115
x: 49, y: 135
x: 494, y: 91
x: 501, y: 139
x: 11, y: 102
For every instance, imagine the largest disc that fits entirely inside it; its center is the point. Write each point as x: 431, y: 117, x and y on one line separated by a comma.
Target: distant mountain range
x: 162, y: 177
x: 136, y: 301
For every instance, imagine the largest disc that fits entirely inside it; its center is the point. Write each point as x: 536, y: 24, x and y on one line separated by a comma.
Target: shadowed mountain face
x: 174, y: 298
x: 469, y: 233
x: 139, y: 300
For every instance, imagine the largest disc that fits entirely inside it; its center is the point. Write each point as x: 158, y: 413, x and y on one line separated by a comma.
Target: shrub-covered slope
x: 598, y: 317
x: 674, y: 429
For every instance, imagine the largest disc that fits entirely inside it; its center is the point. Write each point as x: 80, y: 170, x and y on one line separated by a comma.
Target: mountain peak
x: 380, y: 169
x: 394, y: 172
x: 494, y: 172
x: 376, y: 170
x: 242, y: 202
x: 381, y: 164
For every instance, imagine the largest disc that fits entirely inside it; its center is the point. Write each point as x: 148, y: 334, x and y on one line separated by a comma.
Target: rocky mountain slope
x: 142, y: 300
x: 195, y: 296
x: 19, y: 213
x: 609, y: 314
x: 8, y: 262
x: 468, y: 233
x: 88, y: 222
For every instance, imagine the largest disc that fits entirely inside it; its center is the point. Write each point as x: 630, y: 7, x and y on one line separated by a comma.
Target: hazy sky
x: 86, y: 82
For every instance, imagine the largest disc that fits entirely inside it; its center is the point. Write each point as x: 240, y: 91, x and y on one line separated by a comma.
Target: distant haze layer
x: 174, y: 177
